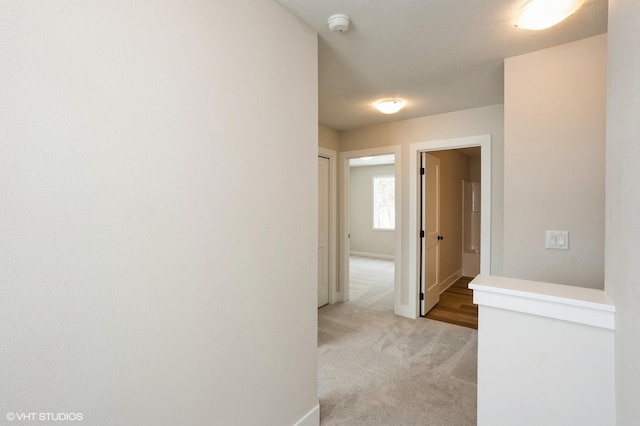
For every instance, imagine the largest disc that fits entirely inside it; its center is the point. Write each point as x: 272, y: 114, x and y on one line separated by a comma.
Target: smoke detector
x: 339, y: 23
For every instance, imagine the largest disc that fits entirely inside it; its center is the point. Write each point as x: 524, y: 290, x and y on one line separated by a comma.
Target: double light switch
x: 558, y: 240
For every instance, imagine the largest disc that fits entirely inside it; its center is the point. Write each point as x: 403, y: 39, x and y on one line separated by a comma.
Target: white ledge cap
x: 576, y: 304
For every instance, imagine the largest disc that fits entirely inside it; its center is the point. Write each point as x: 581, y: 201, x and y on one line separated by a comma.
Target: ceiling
x: 438, y: 55
x: 376, y: 160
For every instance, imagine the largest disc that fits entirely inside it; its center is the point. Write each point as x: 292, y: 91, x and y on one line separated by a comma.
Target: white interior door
x: 430, y: 237
x: 323, y: 231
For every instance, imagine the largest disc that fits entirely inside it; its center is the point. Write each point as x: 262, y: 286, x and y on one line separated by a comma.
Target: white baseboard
x: 374, y: 255
x: 405, y: 311
x: 312, y: 418
x: 444, y: 285
x: 338, y: 296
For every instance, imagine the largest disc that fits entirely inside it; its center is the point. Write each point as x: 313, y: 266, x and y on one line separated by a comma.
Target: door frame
x: 344, y: 217
x: 333, y: 232
x: 484, y: 142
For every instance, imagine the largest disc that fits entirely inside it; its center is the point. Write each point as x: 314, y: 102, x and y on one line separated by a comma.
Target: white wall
x: 364, y: 239
x: 328, y: 138
x: 535, y: 371
x: 554, y: 162
x: 151, y: 273
x: 623, y: 200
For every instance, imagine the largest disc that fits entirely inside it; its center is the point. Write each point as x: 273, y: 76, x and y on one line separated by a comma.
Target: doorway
x: 450, y: 202
x: 372, y: 228
x: 419, y: 269
x: 345, y: 209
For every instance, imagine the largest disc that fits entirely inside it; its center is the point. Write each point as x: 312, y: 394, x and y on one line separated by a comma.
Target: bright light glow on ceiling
x: 541, y: 14
x: 389, y: 106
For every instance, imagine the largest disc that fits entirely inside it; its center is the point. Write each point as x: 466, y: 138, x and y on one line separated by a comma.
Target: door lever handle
x: 440, y: 238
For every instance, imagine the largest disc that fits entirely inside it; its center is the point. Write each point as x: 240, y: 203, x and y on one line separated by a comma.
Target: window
x: 384, y: 203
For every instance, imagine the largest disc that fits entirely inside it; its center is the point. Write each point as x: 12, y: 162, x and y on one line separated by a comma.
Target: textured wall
x: 151, y: 273
x: 623, y: 200
x: 554, y: 162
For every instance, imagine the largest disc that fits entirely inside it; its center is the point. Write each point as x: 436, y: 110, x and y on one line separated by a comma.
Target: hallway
x: 376, y: 368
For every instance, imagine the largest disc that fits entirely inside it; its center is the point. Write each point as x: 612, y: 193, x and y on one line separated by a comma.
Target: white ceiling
x: 376, y: 160
x: 439, y: 55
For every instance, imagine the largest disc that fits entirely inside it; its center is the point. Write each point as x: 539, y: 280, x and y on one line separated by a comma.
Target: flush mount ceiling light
x: 389, y: 106
x: 541, y: 14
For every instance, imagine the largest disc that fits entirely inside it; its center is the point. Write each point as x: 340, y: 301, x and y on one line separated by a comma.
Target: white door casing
x: 344, y: 249
x: 323, y: 231
x: 431, y: 226
x: 411, y: 308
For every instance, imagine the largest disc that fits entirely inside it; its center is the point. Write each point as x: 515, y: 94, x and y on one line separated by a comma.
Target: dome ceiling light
x: 541, y: 14
x: 389, y: 106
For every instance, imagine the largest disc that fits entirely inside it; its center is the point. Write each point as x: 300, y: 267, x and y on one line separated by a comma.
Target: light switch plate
x: 558, y: 240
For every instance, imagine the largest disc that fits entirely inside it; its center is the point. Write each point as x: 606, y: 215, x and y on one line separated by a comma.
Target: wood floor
x: 456, y: 305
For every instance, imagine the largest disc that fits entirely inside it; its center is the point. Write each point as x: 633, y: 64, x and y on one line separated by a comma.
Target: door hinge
x: 421, y: 296
x: 421, y: 234
x: 422, y: 171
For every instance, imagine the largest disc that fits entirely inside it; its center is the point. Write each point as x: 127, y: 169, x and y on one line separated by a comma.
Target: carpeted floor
x: 376, y: 368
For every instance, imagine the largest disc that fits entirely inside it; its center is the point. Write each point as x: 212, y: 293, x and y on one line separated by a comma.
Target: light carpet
x: 376, y: 368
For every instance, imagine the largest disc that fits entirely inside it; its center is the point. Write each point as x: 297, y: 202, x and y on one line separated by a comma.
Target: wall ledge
x: 575, y: 304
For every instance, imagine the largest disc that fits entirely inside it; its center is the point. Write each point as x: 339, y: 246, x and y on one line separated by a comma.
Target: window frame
x: 373, y: 202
